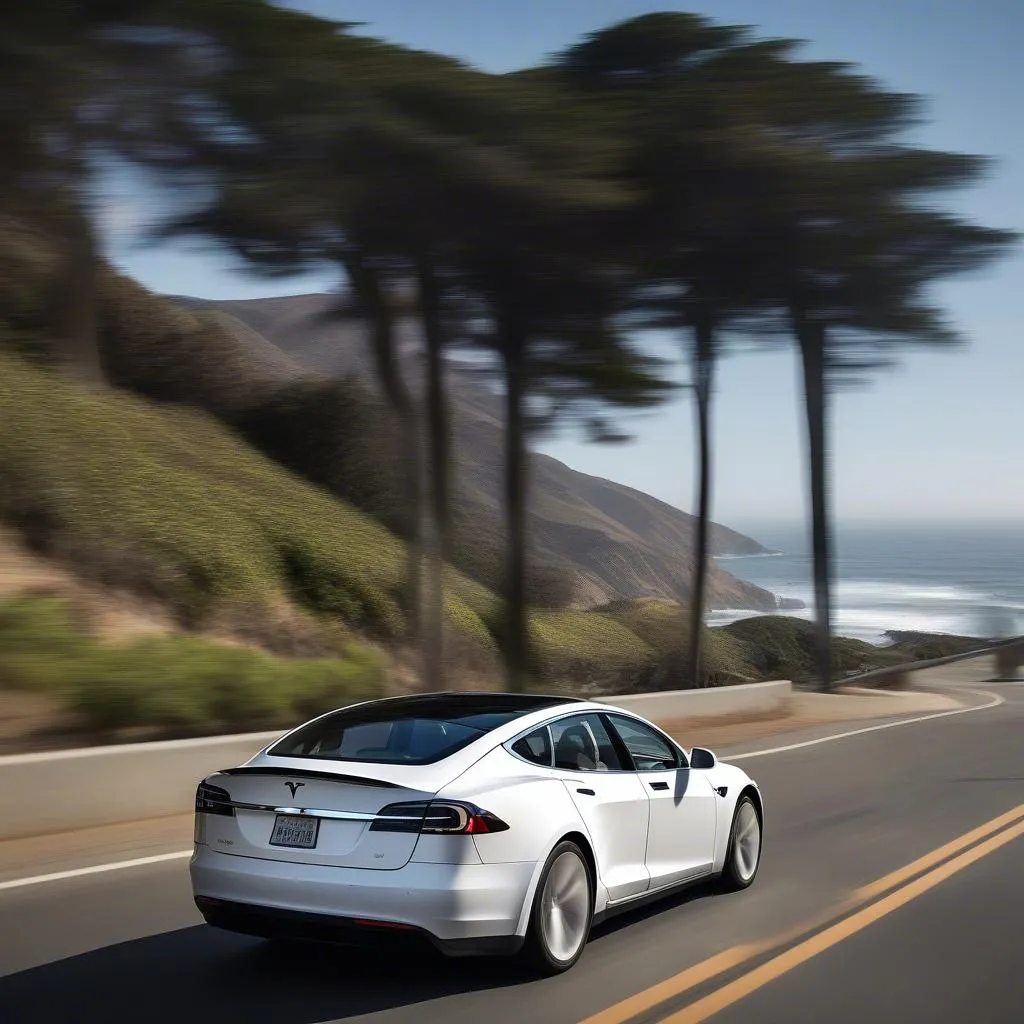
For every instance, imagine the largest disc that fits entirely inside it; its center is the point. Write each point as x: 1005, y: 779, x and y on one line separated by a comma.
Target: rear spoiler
x: 310, y: 773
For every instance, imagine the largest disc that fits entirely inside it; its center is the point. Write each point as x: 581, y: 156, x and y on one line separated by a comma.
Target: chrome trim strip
x: 311, y: 812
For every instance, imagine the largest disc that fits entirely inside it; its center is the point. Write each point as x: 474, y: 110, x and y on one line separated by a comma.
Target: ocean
x: 967, y: 580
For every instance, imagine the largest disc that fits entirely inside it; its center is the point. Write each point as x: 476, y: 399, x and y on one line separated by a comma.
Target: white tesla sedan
x: 481, y: 822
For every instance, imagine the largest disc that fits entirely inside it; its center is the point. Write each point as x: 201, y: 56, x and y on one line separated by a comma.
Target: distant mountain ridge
x: 621, y: 542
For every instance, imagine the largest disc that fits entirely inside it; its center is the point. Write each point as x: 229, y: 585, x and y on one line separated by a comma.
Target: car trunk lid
x: 295, y: 814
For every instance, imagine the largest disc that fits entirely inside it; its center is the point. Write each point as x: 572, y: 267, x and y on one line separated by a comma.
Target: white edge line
x: 994, y: 702
x: 96, y: 869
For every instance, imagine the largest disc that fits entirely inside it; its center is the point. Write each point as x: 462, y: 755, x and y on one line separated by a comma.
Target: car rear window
x: 417, y: 737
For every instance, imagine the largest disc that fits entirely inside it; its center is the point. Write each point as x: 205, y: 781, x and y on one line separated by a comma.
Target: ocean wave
x: 884, y: 592
x: 759, y: 554
x: 878, y: 593
x: 870, y: 623
x: 879, y: 590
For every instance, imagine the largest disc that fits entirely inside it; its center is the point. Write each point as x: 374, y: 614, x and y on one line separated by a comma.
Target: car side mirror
x: 701, y: 758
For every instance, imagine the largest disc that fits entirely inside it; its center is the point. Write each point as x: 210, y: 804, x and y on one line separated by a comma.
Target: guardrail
x: 63, y: 790
x: 1008, y: 656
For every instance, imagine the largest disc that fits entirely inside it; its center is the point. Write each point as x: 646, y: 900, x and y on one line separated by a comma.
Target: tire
x: 562, y: 912
x: 743, y: 856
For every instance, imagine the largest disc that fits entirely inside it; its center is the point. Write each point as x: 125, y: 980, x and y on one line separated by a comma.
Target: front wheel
x: 743, y: 857
x: 563, y: 908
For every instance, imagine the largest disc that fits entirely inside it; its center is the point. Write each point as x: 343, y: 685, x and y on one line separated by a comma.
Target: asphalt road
x: 942, y: 942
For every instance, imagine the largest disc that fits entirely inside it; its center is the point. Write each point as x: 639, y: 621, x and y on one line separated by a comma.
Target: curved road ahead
x: 834, y: 928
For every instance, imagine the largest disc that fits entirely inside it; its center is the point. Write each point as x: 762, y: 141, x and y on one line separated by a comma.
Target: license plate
x: 295, y: 830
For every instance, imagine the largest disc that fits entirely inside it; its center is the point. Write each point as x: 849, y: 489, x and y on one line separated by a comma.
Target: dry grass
x: 111, y: 615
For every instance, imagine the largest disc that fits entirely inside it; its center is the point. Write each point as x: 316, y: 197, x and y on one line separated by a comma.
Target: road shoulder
x: 807, y: 711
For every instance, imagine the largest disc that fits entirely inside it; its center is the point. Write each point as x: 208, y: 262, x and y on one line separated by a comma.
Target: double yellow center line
x: 908, y: 883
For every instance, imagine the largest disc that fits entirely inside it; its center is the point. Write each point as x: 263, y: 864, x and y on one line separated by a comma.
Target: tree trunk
x: 439, y: 448
x: 703, y: 360
x: 370, y: 294
x: 812, y: 340
x: 75, y: 330
x: 516, y: 639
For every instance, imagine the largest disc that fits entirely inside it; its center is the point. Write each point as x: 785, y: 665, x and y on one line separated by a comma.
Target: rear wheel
x: 563, y: 908
x: 743, y: 857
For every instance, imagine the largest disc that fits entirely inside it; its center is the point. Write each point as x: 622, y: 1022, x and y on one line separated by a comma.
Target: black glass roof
x: 460, y: 704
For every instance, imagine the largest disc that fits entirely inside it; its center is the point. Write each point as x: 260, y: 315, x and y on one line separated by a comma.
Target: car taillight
x: 437, y: 817
x: 213, y: 800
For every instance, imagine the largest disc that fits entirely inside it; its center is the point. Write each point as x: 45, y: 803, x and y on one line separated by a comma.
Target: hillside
x: 172, y: 548
x: 167, y: 502
x: 620, y: 542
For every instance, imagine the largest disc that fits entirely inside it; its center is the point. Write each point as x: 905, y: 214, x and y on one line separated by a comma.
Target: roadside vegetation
x: 176, y: 685
x: 170, y: 685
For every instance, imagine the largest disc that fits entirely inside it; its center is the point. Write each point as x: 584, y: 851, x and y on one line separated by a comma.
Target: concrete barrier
x: 70, y: 789
x: 64, y: 790
x: 715, y: 702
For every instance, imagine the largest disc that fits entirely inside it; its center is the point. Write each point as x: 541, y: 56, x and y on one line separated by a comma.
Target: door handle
x: 658, y: 785
x: 586, y: 792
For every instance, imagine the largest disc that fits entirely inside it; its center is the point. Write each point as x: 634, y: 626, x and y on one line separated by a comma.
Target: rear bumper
x: 460, y: 908
x: 275, y: 923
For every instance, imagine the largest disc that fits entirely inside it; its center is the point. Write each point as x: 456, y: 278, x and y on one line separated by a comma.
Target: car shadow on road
x: 201, y: 975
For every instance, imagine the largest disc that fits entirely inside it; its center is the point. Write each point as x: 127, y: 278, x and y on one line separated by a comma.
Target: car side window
x: 650, y: 751
x: 582, y: 743
x: 535, y: 747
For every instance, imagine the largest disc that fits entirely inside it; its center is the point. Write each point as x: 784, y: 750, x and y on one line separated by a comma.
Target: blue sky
x: 941, y: 438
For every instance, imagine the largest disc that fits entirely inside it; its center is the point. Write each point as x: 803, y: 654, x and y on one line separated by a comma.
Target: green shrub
x: 39, y: 642
x: 187, y: 686
x: 915, y: 646
x: 589, y: 649
x: 783, y: 647
x: 664, y: 626
x: 321, y: 580
x: 319, y: 685
x: 179, y: 685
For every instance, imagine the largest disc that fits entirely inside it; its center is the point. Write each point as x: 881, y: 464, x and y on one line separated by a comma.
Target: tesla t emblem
x: 293, y: 786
